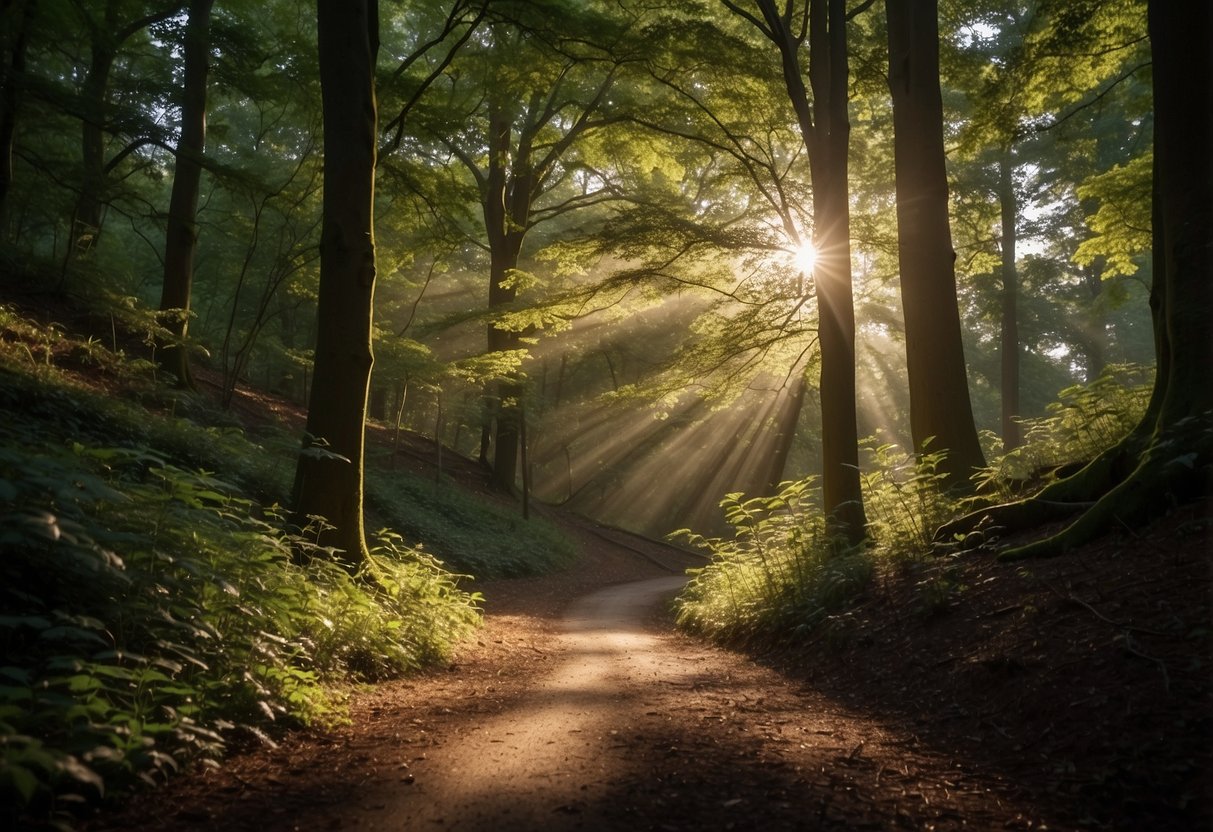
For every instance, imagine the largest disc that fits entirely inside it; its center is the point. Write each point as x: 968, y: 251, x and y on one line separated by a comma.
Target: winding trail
x: 580, y: 708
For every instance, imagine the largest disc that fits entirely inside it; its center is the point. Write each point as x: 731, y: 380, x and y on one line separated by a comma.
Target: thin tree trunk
x: 401, y: 397
x: 940, y: 408
x: 328, y: 481
x: 181, y: 241
x: 1012, y: 435
x: 89, y: 211
x: 17, y: 17
x: 787, y: 418
x: 1095, y: 336
x: 526, y: 470
x: 828, y: 75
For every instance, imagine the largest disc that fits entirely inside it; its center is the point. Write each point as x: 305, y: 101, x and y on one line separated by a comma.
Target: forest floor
x: 1069, y: 694
x: 956, y: 693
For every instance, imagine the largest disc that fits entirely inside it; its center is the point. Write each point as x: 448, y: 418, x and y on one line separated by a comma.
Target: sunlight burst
x: 806, y: 257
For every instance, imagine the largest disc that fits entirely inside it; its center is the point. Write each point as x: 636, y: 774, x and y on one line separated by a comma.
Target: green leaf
x: 17, y: 778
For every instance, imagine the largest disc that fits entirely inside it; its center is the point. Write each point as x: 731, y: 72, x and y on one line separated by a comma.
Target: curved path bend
x: 591, y: 715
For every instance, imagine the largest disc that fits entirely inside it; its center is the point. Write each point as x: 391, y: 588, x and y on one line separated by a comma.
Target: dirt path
x: 556, y: 753
x: 579, y: 707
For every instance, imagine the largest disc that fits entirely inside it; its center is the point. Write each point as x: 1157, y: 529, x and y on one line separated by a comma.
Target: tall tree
x: 940, y: 409
x: 328, y: 480
x: 16, y: 16
x: 106, y: 35
x: 516, y: 144
x: 825, y: 128
x: 182, y: 237
x: 1168, y: 457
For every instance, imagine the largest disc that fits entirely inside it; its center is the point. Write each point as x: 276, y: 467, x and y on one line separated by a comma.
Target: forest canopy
x: 590, y: 222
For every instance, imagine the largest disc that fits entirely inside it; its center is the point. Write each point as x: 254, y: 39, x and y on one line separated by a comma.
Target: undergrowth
x: 779, y: 575
x: 153, y: 610
x: 484, y: 539
x: 1085, y: 420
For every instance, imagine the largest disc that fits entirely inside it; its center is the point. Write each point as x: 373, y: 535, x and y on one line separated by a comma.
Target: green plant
x: 905, y: 499
x: 1085, y: 420
x: 780, y: 572
x: 153, y: 612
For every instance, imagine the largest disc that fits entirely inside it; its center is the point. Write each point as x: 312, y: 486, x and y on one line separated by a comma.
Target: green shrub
x: 1085, y: 420
x: 905, y: 499
x: 779, y: 573
x: 151, y: 615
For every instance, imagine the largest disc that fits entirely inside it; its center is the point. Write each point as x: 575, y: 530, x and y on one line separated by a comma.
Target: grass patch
x: 484, y: 539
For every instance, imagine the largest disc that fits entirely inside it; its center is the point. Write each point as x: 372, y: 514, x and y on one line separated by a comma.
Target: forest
x: 363, y: 363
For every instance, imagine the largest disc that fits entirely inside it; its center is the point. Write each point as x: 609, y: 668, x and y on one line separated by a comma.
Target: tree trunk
x: 828, y: 75
x: 328, y: 481
x: 89, y: 212
x: 507, y: 208
x: 940, y: 408
x: 17, y: 17
x: 105, y: 39
x: 1095, y: 336
x: 787, y: 417
x: 182, y: 237
x: 1168, y: 458
x: 825, y: 130
x: 1012, y: 435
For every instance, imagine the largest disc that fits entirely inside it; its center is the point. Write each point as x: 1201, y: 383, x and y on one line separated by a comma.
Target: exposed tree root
x: 1175, y: 469
x: 1127, y: 486
x: 1056, y: 501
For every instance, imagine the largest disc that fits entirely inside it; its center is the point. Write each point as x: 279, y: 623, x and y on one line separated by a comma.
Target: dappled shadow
x: 629, y: 729
x: 615, y: 724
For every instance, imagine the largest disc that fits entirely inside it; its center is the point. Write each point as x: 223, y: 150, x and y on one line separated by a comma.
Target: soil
x: 1068, y: 694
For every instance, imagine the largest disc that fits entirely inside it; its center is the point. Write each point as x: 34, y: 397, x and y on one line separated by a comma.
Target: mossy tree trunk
x: 328, y: 480
x: 1168, y: 457
x: 940, y: 408
x: 181, y: 240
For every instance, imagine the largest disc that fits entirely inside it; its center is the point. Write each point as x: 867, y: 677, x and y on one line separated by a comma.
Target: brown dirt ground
x: 1067, y: 694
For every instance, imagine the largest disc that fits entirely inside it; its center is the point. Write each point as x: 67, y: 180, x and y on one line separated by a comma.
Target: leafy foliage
x: 153, y: 612
x: 779, y: 573
x: 1085, y: 420
x: 781, y: 576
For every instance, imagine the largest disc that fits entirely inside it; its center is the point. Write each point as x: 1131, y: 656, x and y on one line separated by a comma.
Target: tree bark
x: 181, y: 241
x: 17, y: 17
x: 328, y: 480
x: 940, y: 409
x: 828, y: 75
x: 1012, y: 435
